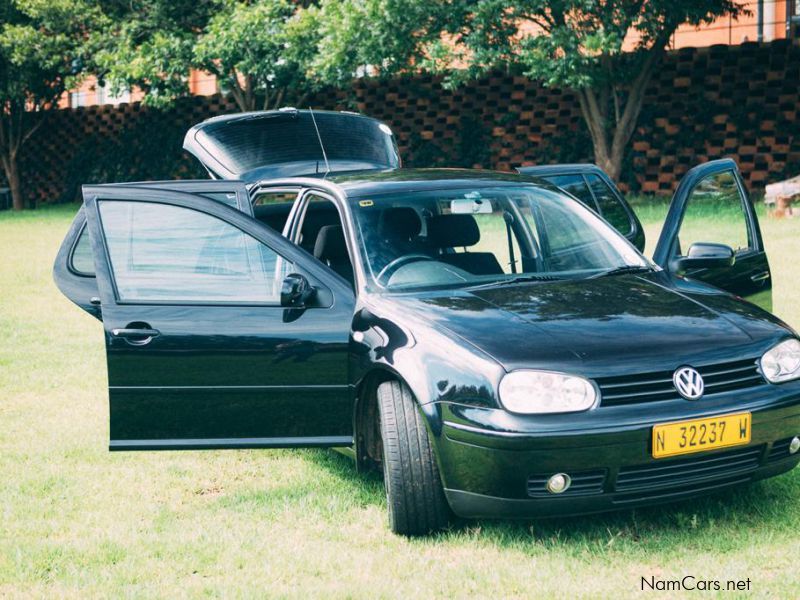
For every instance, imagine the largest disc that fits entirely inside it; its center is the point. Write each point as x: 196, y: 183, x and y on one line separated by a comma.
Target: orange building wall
x: 731, y: 31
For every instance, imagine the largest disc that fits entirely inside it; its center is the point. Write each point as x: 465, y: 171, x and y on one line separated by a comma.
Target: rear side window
x: 81, y: 260
x: 272, y: 208
x: 164, y: 253
x: 576, y: 185
x: 610, y: 206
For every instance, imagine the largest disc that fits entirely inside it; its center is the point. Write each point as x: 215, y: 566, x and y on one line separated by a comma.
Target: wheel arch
x: 366, y: 423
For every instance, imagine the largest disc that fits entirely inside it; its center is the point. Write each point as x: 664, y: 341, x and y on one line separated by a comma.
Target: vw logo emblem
x: 688, y: 382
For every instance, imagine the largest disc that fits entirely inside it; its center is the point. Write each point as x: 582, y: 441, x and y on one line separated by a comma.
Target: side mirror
x: 296, y: 291
x: 703, y: 255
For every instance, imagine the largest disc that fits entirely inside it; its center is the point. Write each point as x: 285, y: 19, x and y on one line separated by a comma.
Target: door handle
x: 136, y: 336
x: 764, y: 275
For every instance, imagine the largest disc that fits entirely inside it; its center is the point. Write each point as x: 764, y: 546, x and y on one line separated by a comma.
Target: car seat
x: 446, y: 232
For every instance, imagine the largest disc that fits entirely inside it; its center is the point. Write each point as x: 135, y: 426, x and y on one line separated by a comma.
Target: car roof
x: 417, y: 180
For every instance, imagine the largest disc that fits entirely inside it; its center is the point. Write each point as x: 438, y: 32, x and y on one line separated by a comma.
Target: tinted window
x: 716, y: 199
x: 610, y: 206
x: 242, y: 145
x: 82, y: 260
x: 168, y: 253
x: 575, y: 185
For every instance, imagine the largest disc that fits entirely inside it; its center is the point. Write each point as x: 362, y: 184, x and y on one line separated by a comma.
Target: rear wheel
x: 414, y: 492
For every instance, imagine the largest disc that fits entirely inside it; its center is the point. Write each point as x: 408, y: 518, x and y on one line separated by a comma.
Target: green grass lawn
x: 78, y: 521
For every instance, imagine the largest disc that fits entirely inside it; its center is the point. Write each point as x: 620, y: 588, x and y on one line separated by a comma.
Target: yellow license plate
x: 685, y: 437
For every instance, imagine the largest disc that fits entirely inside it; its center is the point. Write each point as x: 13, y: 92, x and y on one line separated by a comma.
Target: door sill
x: 232, y: 443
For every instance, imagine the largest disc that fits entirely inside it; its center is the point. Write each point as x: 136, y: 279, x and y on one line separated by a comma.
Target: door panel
x: 200, y: 352
x: 711, y: 205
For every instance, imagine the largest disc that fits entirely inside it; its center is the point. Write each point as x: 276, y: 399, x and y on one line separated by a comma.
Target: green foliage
x: 574, y: 44
x: 43, y: 45
x: 258, y: 49
x: 150, y: 44
x: 377, y: 37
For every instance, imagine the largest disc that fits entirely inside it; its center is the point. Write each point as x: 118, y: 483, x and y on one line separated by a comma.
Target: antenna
x: 321, y: 145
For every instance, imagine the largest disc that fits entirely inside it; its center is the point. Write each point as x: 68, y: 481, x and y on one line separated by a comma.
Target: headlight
x: 782, y: 362
x: 544, y: 392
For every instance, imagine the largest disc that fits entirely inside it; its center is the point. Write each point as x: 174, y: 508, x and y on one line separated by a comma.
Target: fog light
x: 794, y: 445
x: 558, y: 483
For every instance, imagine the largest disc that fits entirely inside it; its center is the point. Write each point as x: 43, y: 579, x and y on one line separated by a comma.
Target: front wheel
x: 414, y: 492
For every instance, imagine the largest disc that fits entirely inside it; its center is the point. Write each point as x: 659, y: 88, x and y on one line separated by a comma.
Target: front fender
x: 434, y: 365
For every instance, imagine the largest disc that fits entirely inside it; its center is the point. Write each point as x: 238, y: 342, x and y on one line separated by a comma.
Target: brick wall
x: 738, y: 101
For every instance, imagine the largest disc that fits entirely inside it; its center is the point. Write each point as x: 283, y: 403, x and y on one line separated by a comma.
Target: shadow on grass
x: 724, y: 520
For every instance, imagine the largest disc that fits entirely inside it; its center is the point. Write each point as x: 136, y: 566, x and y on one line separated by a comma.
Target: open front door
x: 201, y: 352
x: 711, y: 234
x: 73, y: 270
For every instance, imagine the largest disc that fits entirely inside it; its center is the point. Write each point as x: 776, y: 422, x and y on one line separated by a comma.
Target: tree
x: 150, y: 44
x: 257, y: 49
x: 606, y: 51
x: 41, y: 48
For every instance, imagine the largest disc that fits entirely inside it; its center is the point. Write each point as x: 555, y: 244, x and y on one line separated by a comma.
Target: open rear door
x: 710, y: 215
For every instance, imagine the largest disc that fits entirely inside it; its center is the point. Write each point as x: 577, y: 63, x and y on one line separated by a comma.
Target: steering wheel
x: 399, y: 262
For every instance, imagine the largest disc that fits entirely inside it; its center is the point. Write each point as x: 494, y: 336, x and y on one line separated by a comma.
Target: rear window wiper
x: 623, y: 270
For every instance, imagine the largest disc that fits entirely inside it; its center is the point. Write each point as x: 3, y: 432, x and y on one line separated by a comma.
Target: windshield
x: 484, y: 236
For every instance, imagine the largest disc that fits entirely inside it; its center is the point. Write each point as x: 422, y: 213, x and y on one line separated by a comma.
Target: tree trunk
x: 12, y: 174
x: 611, y: 133
x: 11, y: 171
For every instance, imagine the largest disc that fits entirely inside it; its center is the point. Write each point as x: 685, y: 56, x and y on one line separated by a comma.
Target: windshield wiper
x: 624, y: 269
x: 517, y: 279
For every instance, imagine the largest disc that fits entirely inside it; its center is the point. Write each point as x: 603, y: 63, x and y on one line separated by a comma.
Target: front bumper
x: 494, y: 464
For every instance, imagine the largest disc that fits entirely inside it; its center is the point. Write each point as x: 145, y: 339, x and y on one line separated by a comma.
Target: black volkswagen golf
x: 488, y: 340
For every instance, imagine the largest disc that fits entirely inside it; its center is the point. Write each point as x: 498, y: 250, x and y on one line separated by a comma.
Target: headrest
x: 401, y: 222
x: 453, y: 231
x: 330, y: 244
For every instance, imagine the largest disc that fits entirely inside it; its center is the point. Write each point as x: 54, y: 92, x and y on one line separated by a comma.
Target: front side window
x: 718, y: 199
x: 463, y: 237
x: 164, y: 253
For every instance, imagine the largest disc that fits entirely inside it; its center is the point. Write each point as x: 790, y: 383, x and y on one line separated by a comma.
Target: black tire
x: 414, y: 492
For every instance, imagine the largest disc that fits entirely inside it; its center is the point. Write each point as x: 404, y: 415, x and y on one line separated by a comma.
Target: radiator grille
x: 655, y: 386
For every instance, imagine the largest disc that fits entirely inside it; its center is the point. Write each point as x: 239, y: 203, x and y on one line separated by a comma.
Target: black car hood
x: 601, y: 325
